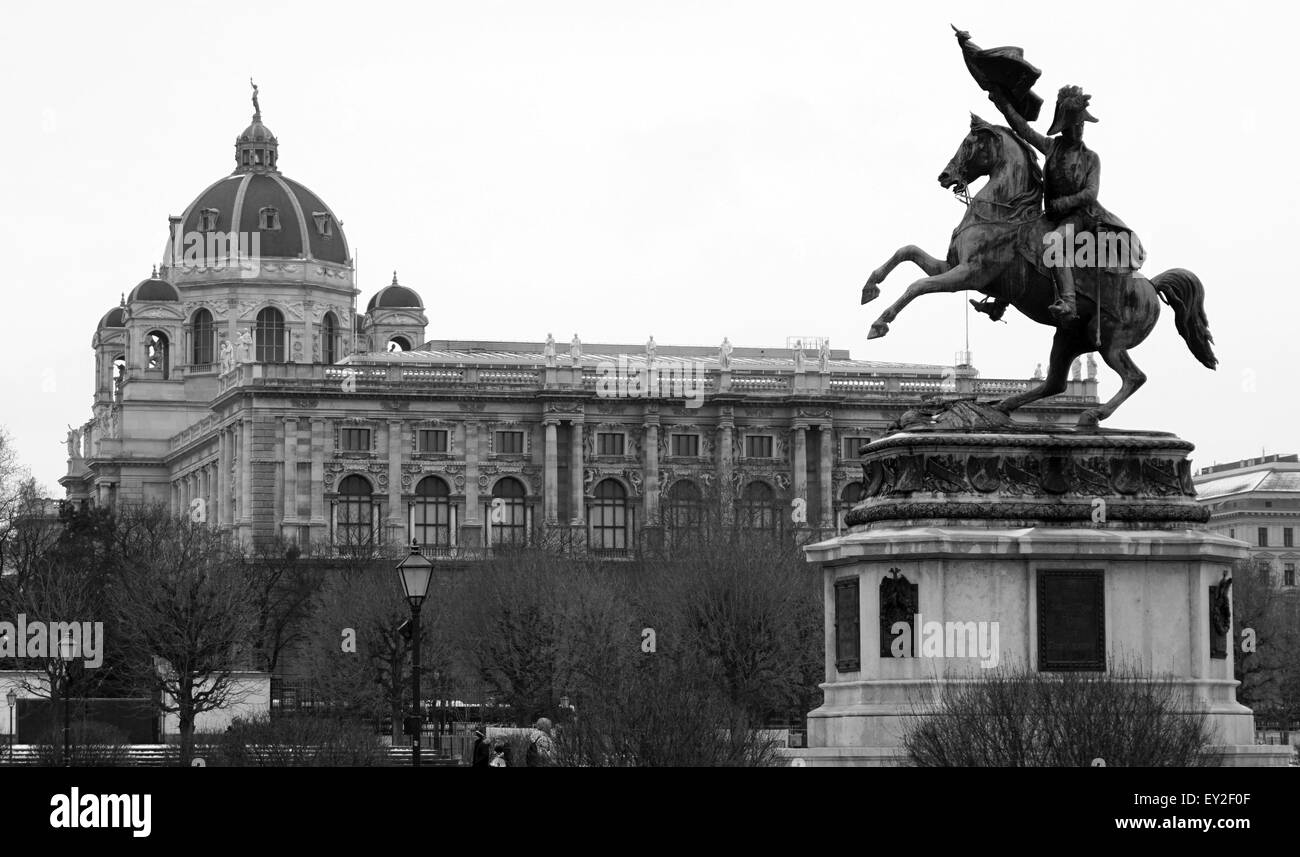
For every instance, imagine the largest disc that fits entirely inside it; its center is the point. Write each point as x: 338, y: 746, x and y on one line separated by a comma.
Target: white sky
x: 683, y: 169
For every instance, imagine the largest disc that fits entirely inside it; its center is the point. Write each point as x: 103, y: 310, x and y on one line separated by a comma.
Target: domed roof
x: 283, y: 217
x: 154, y: 289
x: 257, y: 133
x: 116, y: 317
x: 394, y: 296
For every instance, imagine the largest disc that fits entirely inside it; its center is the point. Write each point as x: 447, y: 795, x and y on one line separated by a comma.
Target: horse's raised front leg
x: 910, y: 253
x: 956, y: 279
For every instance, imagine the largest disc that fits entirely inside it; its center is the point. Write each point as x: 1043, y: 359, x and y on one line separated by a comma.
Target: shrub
x: 263, y: 741
x: 661, y: 713
x: 94, y: 745
x: 1014, y: 718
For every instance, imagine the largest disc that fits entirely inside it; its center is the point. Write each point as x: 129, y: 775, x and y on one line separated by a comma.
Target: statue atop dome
x: 257, y: 108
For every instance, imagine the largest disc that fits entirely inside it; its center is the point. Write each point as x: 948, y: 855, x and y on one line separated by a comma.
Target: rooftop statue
x: 1038, y: 239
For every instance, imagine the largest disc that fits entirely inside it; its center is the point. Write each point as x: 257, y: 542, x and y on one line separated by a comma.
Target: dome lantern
x: 256, y: 150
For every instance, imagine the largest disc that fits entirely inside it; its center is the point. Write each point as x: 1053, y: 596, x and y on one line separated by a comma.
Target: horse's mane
x: 1031, y: 156
x: 1031, y: 159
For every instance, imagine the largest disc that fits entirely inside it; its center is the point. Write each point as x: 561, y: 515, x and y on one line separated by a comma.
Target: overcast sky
x: 690, y: 170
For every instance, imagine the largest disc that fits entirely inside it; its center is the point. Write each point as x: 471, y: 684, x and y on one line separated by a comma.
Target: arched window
x: 608, y: 518
x: 269, y: 339
x: 758, y: 510
x: 399, y: 343
x: 354, y: 514
x: 432, y: 516
x: 203, y: 339
x: 508, y: 513
x: 329, y: 328
x: 156, y: 348
x: 119, y: 376
x: 684, y: 513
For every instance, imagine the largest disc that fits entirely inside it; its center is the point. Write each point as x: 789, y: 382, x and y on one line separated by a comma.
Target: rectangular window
x: 431, y: 440
x: 510, y: 442
x: 354, y: 439
x: 848, y: 641
x: 686, y: 445
x: 758, y: 446
x: 1071, y: 621
x: 1288, y: 574
x: 1263, y: 537
x: 853, y: 446
x: 1288, y: 537
x: 609, y: 443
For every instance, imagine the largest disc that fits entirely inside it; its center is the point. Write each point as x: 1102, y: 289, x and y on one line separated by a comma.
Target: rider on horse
x: 1072, y: 172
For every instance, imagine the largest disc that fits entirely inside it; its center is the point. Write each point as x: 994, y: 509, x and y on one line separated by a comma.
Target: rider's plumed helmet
x: 1071, y: 106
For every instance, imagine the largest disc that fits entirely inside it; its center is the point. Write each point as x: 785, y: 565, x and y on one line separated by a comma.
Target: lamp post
x: 12, y: 698
x: 415, y: 571
x: 67, y: 652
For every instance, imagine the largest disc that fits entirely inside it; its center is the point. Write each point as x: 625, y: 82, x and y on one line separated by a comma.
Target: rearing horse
x: 998, y: 250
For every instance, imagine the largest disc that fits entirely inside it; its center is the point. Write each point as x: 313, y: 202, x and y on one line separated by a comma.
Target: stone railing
x: 194, y: 432
x: 397, y: 376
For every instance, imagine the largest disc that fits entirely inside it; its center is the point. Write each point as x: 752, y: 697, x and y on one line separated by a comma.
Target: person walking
x: 482, y: 754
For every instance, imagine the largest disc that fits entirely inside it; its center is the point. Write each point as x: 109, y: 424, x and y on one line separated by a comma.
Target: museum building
x: 241, y: 385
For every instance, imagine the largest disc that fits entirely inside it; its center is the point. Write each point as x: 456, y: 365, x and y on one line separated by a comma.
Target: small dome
x: 394, y: 296
x: 116, y: 317
x: 257, y: 133
x: 154, y: 289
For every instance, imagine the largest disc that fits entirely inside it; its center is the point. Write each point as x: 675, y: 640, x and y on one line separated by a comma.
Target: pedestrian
x: 541, y: 750
x: 482, y: 755
x: 500, y: 755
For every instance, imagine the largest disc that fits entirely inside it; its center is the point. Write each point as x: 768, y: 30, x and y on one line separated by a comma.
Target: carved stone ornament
x: 1143, y: 477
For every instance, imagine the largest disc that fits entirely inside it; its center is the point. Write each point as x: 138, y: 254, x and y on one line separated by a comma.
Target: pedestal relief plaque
x: 1071, y: 621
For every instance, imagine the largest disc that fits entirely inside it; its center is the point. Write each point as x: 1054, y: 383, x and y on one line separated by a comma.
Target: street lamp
x: 415, y: 571
x: 12, y: 698
x: 67, y: 653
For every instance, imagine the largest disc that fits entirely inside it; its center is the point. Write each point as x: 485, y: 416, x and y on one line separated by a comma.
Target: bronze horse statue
x: 998, y: 249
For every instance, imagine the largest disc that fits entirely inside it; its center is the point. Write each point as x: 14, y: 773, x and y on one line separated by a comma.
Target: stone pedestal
x: 1048, y: 552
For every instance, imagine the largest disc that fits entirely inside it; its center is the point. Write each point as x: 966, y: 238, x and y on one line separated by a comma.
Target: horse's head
x: 986, y: 150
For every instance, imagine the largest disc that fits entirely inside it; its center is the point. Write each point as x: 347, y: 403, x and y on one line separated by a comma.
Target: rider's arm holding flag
x: 1008, y: 79
x: 1018, y: 124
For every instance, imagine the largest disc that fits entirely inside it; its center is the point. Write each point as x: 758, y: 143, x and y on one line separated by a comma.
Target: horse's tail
x: 1182, y: 290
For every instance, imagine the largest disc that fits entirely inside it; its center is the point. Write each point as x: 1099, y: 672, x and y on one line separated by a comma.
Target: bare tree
x: 185, y: 617
x: 1268, y: 669
x: 358, y: 657
x: 1012, y: 717
x: 281, y: 586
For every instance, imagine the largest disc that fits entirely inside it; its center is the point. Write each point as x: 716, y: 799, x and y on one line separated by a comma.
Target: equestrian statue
x: 1039, y: 240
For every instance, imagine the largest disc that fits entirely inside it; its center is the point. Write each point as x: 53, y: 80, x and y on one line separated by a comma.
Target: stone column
x: 291, y: 478
x: 246, y: 477
x: 471, y: 532
x: 576, y: 474
x: 223, y: 477
x: 551, y: 492
x: 319, y: 525
x: 800, y: 474
x: 396, y: 510
x: 211, y: 493
x: 827, y: 475
x: 726, y: 442
x: 652, y: 473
